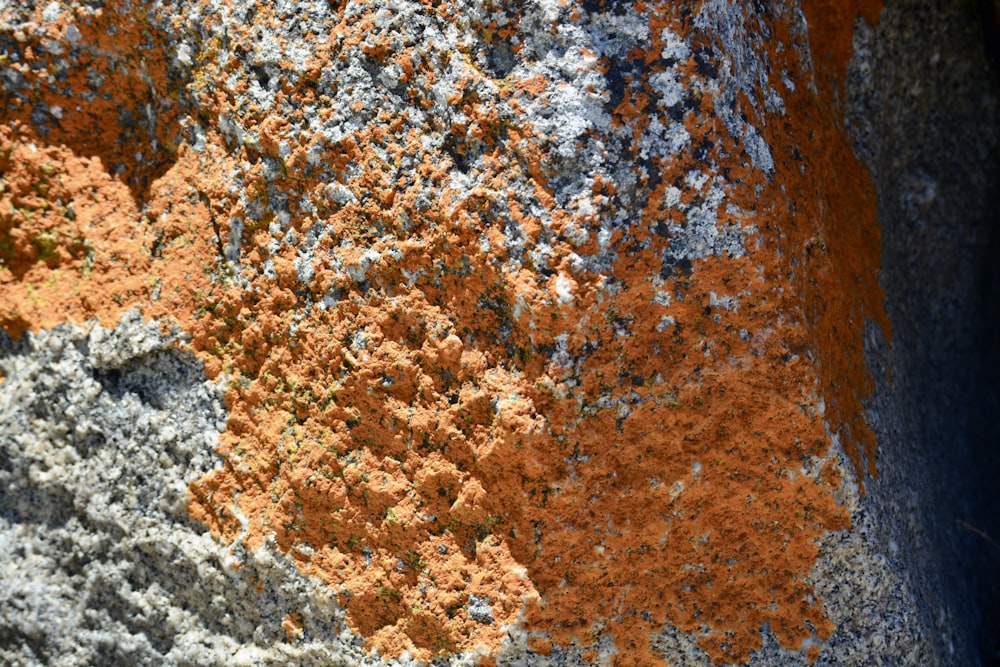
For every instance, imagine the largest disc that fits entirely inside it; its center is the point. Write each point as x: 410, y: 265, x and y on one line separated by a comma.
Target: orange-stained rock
x: 561, y: 341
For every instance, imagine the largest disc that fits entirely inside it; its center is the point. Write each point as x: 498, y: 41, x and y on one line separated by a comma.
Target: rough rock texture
x: 923, y: 106
x: 493, y: 332
x: 102, y: 432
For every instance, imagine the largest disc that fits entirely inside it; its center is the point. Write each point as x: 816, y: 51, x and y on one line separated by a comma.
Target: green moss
x: 388, y: 594
x: 485, y: 529
x: 414, y: 560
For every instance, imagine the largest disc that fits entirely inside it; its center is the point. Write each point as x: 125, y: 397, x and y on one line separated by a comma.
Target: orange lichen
x: 143, y: 106
x: 453, y: 426
x: 836, y: 258
x: 86, y: 250
x: 831, y: 32
x: 292, y: 625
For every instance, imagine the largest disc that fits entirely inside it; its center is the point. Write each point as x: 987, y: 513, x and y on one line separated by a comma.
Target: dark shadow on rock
x: 922, y: 101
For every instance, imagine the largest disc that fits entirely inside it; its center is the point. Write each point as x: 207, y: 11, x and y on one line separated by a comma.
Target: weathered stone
x: 496, y: 333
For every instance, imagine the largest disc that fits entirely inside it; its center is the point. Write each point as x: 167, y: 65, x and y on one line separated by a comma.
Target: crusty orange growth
x: 836, y: 258
x: 292, y: 625
x: 132, y: 130
x: 429, y: 423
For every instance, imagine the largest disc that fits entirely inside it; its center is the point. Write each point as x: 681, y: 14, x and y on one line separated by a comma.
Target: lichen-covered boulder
x: 464, y: 332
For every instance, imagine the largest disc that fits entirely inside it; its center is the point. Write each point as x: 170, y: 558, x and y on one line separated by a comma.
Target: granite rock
x: 497, y: 333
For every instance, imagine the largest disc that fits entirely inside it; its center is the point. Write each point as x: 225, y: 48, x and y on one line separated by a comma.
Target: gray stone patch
x: 101, y: 431
x: 480, y: 609
x: 922, y: 105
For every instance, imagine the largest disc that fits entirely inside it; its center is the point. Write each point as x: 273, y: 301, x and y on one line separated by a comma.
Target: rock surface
x: 493, y: 332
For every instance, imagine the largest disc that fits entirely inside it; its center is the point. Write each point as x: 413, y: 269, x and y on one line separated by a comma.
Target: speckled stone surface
x: 495, y: 333
x: 922, y: 104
